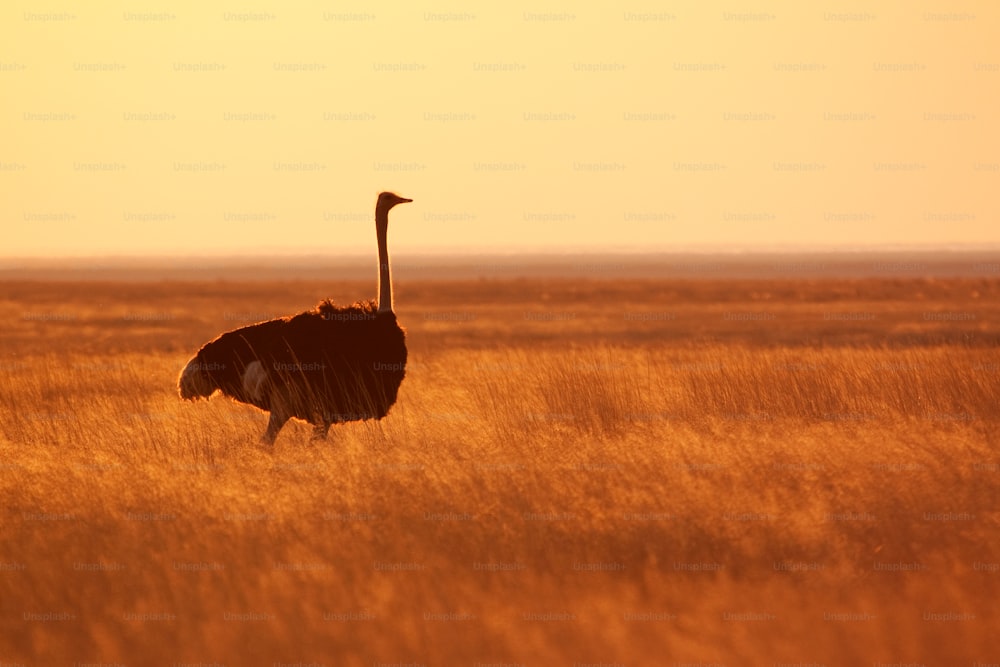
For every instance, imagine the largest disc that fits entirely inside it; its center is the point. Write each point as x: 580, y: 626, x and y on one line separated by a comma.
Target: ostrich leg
x: 274, y: 425
x: 319, y: 431
x: 279, y: 416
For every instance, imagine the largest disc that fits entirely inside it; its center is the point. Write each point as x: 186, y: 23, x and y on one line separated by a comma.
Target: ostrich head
x: 386, y: 200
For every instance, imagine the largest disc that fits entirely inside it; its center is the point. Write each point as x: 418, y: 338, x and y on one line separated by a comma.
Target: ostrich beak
x: 404, y: 200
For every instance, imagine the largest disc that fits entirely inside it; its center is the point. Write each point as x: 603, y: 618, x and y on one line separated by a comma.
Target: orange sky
x: 141, y: 128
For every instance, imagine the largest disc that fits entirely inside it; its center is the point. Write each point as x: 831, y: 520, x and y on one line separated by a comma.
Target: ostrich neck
x: 384, y: 282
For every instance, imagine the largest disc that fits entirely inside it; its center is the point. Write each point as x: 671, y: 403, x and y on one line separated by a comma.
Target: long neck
x: 384, y: 282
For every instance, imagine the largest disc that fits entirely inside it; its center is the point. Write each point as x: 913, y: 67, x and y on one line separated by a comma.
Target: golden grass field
x: 578, y: 472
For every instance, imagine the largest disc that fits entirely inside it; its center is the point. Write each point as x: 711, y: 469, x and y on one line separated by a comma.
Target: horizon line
x: 850, y: 262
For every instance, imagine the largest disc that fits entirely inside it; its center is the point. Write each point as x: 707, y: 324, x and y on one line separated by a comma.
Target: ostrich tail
x: 194, y: 382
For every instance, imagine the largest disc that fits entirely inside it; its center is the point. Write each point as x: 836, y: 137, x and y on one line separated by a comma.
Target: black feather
x: 328, y: 365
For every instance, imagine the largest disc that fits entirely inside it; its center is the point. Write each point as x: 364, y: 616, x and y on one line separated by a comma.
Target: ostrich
x: 328, y: 365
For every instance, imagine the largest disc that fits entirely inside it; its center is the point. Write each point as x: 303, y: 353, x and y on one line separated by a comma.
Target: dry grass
x: 575, y: 473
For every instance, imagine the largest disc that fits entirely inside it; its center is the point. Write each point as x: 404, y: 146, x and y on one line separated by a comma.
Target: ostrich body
x: 328, y: 365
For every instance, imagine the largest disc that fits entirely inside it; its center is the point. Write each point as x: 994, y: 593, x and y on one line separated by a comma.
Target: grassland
x: 577, y: 472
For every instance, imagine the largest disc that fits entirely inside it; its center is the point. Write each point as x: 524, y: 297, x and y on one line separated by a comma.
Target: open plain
x: 780, y: 471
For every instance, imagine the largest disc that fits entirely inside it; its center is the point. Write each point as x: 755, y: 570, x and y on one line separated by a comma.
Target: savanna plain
x: 781, y: 471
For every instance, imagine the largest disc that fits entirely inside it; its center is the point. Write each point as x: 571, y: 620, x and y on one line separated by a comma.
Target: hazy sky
x: 148, y: 128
